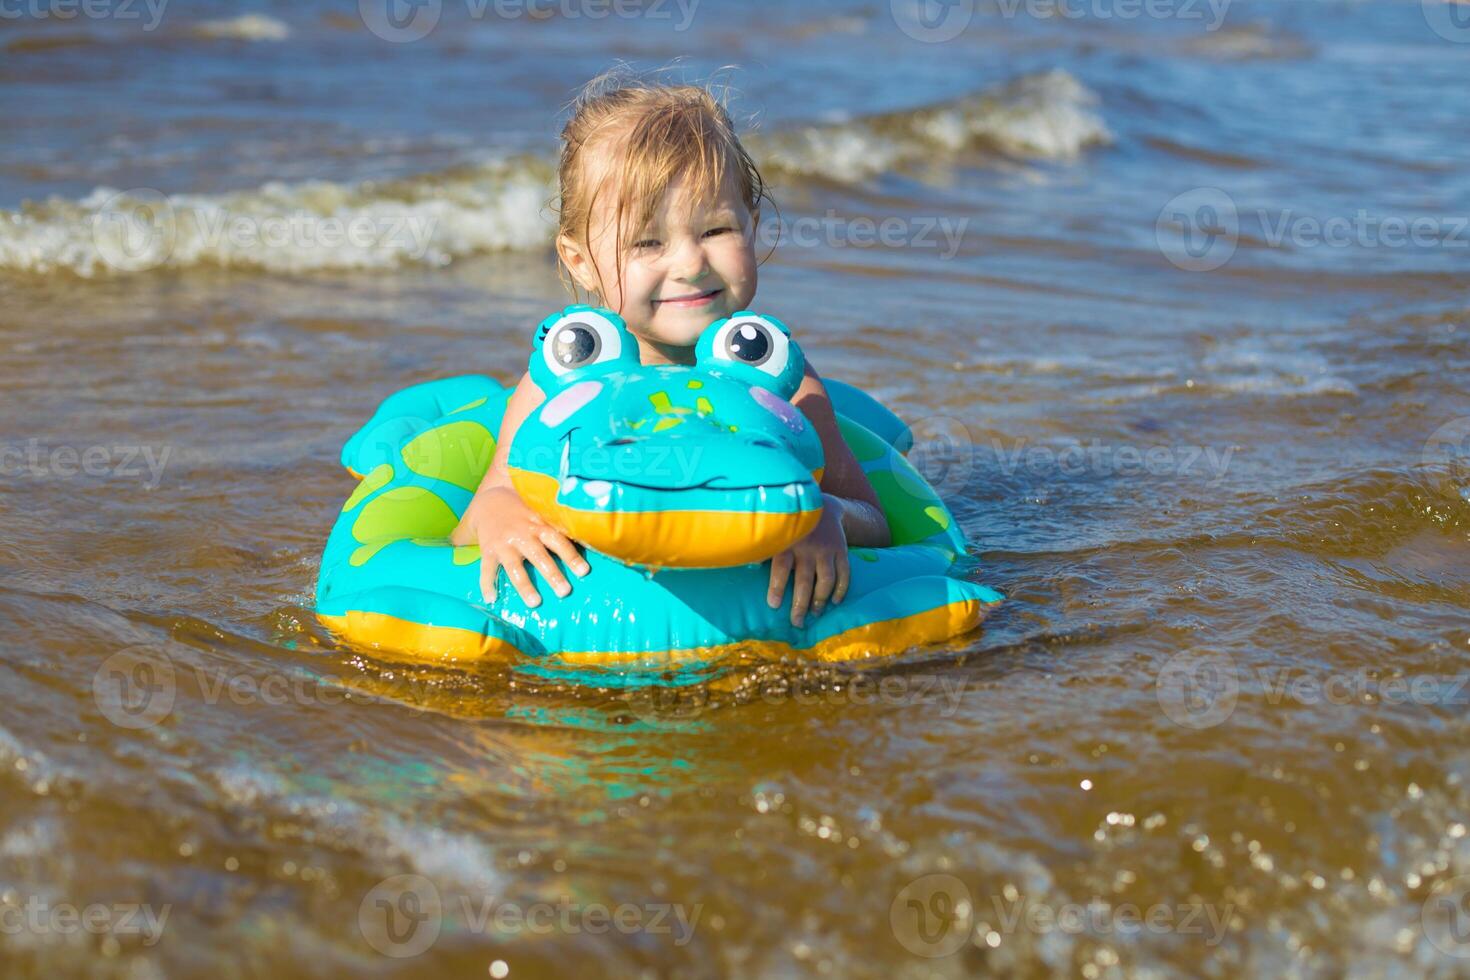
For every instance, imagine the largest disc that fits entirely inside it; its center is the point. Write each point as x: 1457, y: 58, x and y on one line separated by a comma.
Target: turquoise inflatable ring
x: 681, y: 483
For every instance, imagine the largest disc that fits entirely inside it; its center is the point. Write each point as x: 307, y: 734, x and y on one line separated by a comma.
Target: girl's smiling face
x: 693, y: 264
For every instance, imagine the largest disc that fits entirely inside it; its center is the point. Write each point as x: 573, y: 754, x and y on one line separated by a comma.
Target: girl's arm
x: 862, y: 516
x: 508, y: 532
x: 817, y: 565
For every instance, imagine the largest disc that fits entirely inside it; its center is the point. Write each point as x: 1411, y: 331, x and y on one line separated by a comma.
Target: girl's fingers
x: 826, y: 580
x: 535, y: 553
x: 844, y: 575
x: 780, y: 572
x: 565, y: 550
x: 489, y: 569
x: 801, y: 590
x: 515, y: 569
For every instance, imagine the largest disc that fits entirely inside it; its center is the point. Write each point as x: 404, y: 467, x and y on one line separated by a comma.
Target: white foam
x: 312, y: 226
x: 447, y: 856
x: 1254, y: 366
x: 1048, y: 116
x: 249, y: 27
x: 500, y: 204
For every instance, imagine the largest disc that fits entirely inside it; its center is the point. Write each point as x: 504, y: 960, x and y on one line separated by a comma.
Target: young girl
x: 659, y: 206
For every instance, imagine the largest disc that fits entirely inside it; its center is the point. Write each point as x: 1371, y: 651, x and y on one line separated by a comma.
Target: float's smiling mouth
x: 602, y: 486
x: 693, y: 520
x: 708, y: 484
x: 672, y: 538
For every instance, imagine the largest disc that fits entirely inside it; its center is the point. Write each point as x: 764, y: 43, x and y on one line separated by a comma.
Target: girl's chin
x: 684, y: 325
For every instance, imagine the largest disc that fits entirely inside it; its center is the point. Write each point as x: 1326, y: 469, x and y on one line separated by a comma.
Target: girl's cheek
x: 638, y: 284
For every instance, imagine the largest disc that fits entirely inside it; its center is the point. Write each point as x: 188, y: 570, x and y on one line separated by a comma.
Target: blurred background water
x: 1172, y: 292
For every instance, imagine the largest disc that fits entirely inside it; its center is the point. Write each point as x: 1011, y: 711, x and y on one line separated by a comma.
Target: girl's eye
x: 646, y: 243
x: 718, y: 231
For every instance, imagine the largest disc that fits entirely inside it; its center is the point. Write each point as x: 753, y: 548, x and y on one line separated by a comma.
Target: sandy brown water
x: 1187, y: 706
x: 1218, y: 728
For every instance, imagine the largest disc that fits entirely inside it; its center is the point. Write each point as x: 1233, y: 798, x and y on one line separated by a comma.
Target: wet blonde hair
x: 659, y: 132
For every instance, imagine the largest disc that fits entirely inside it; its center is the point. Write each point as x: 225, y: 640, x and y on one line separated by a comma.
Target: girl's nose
x: 690, y: 264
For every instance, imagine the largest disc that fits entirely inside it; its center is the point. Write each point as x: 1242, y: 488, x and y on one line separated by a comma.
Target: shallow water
x: 1217, y: 729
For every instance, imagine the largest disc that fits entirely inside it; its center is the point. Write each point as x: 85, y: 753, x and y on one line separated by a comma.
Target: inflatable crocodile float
x: 681, y: 482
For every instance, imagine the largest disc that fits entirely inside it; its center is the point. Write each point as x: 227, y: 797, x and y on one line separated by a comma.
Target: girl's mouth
x: 692, y: 301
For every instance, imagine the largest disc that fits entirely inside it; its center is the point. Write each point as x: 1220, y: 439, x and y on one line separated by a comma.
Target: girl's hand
x: 510, y: 534
x: 816, y: 565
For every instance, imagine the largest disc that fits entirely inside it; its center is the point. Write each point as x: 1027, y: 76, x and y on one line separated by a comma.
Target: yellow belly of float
x: 439, y: 643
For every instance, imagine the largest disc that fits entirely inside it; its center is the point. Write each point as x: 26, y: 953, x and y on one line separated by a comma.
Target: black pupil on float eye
x: 575, y: 345
x: 749, y: 343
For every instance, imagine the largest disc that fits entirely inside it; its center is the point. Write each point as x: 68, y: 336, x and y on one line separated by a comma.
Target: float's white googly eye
x: 755, y: 342
x: 581, y: 339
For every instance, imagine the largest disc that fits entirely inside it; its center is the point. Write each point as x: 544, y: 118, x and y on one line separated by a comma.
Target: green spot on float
x: 379, y: 477
x: 457, y: 453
